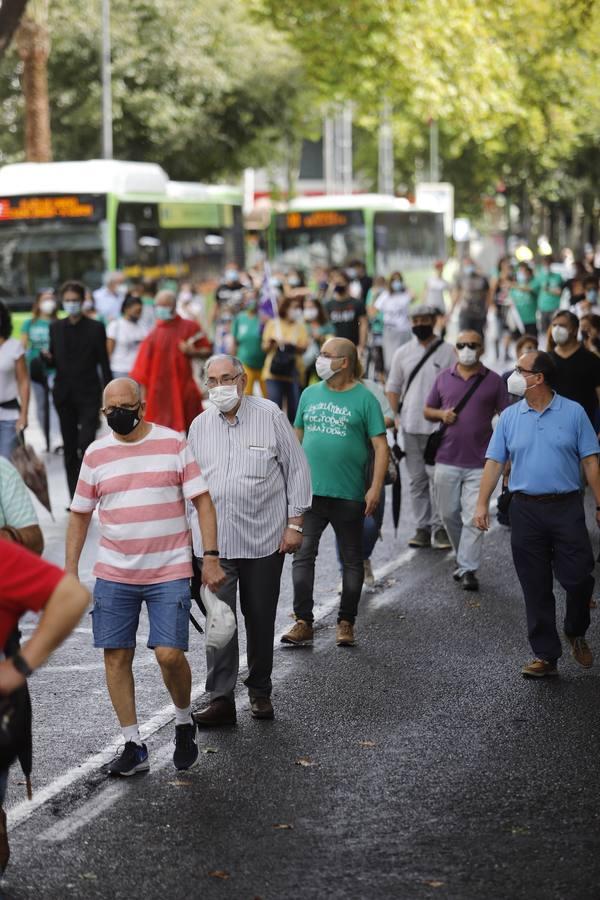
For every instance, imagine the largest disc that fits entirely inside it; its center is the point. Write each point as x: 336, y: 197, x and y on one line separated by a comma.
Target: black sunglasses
x: 472, y: 345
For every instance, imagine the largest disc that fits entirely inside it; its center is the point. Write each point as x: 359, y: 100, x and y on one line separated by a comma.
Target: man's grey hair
x: 166, y: 295
x: 219, y: 357
x: 111, y: 276
x: 134, y: 384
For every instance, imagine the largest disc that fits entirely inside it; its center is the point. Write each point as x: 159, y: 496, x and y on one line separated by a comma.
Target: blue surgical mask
x: 592, y: 295
x: 163, y: 313
x: 72, y: 307
x: 522, y: 277
x: 397, y: 285
x: 231, y: 274
x: 469, y: 270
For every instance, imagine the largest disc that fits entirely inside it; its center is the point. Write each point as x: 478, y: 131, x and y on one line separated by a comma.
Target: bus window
x: 406, y: 240
x: 326, y: 238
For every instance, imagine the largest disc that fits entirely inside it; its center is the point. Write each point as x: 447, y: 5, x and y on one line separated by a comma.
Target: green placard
x: 189, y: 215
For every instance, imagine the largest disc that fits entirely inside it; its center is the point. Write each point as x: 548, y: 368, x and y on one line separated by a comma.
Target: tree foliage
x: 200, y: 88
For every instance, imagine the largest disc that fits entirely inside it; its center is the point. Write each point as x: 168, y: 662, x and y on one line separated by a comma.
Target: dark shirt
x: 78, y: 351
x: 578, y: 377
x: 475, y: 288
x: 344, y: 316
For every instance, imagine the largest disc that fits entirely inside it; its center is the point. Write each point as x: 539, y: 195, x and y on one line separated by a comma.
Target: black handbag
x: 283, y: 363
x: 434, y: 440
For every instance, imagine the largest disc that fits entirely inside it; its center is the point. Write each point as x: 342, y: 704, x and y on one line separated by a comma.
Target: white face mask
x: 517, y: 384
x: 560, y: 334
x: 467, y: 357
x: 224, y: 396
x: 311, y: 313
x: 47, y: 307
x: 323, y: 367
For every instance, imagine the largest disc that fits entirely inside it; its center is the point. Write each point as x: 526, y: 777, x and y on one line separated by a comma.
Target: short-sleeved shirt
x: 405, y: 360
x: 128, y: 337
x: 16, y: 508
x: 338, y: 427
x: 11, y: 350
x: 525, y: 302
x: 246, y: 331
x: 545, y: 448
x: 475, y: 288
x: 394, y: 308
x: 464, y: 443
x: 26, y: 583
x: 38, y: 336
x: 345, y: 315
x: 577, y: 378
x: 140, y: 490
x: 548, y: 302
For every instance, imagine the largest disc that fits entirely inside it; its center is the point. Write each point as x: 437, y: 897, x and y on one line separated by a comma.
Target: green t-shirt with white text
x: 338, y: 426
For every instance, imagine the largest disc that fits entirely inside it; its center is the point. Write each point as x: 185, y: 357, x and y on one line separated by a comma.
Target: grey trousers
x: 258, y: 581
x: 421, y: 483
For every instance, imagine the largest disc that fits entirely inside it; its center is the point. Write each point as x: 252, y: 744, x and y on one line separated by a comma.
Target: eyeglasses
x: 109, y: 410
x: 223, y: 381
x: 331, y: 356
x: 520, y: 371
x: 472, y: 345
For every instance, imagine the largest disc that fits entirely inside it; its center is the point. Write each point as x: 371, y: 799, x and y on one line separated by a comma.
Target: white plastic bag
x: 220, y: 620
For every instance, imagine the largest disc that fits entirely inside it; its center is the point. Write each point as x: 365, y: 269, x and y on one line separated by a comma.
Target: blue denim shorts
x: 116, y: 613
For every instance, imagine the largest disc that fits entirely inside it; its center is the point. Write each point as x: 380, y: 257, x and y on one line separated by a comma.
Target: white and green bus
x: 82, y: 219
x: 387, y: 233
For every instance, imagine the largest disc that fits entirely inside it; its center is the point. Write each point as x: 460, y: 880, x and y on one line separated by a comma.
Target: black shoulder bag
x: 15, y: 722
x: 417, y: 369
x: 435, y: 439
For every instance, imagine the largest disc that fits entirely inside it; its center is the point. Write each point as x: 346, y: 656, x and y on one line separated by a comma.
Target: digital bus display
x: 299, y: 221
x: 71, y: 207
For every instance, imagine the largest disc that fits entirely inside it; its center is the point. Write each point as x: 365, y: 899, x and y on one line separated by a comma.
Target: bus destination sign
x: 66, y: 206
x: 320, y: 219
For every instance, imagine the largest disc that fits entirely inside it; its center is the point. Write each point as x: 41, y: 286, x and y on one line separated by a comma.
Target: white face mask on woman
x: 560, y: 334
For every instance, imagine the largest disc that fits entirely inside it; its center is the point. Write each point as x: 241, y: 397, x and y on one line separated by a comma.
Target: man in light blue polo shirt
x: 546, y: 438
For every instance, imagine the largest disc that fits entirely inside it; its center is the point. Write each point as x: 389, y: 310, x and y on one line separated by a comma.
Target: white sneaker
x: 369, y: 576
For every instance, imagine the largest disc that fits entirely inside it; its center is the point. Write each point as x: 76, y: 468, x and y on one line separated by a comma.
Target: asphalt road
x: 418, y: 764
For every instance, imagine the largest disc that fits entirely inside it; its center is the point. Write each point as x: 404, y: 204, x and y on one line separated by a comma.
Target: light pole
x: 107, y: 130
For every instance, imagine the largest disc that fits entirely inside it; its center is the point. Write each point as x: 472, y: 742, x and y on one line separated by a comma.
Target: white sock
x: 183, y: 716
x: 132, y: 733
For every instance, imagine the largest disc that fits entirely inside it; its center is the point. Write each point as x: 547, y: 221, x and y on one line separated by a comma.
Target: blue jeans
x: 371, y: 528
x: 8, y: 437
x: 116, y: 613
x: 277, y: 391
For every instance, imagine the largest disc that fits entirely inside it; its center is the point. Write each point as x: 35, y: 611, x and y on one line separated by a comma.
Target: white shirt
x: 10, y: 351
x: 395, y: 309
x: 434, y: 292
x: 405, y: 359
x: 127, y: 336
x: 108, y: 305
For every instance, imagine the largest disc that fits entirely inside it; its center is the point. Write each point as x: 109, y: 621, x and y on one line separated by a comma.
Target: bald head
x: 165, y: 298
x: 343, y: 349
x: 122, y: 392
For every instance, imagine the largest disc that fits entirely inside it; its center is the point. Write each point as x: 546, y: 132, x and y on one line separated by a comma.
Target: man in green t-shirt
x: 247, y: 334
x: 550, y: 286
x: 338, y: 422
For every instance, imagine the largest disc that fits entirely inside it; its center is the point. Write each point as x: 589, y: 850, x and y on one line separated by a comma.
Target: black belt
x: 547, y: 498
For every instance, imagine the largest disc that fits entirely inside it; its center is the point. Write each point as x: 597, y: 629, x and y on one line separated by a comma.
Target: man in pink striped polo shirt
x: 139, y: 477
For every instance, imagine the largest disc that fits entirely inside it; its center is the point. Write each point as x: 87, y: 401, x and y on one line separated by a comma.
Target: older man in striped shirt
x: 139, y: 477
x: 259, y: 481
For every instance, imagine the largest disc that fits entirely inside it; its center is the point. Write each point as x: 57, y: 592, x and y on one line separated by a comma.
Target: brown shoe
x: 218, y: 713
x: 261, y: 708
x: 344, y: 634
x: 581, y: 651
x: 4, y: 848
x: 539, y: 668
x: 299, y: 634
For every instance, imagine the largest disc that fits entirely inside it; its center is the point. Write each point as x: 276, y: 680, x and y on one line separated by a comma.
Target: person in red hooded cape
x: 164, y: 369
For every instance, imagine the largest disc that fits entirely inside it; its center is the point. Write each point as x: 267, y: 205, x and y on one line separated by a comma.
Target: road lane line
x: 23, y: 811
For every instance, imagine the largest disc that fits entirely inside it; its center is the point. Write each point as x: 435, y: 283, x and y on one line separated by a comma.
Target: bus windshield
x: 308, y: 240
x: 406, y: 240
x: 34, y: 257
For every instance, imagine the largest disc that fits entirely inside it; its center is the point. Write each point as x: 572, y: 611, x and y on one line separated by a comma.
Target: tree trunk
x: 33, y: 44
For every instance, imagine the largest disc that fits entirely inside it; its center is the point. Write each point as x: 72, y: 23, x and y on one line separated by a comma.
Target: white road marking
x: 24, y: 810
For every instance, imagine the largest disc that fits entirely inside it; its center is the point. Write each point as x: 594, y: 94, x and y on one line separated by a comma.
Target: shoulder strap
x: 463, y: 402
x: 418, y: 368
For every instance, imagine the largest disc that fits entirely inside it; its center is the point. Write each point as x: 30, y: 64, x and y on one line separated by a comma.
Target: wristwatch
x: 297, y: 528
x: 211, y: 553
x: 21, y: 665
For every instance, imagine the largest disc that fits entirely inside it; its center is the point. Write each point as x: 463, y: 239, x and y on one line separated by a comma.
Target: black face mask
x: 422, y: 332
x: 123, y: 421
x: 339, y: 289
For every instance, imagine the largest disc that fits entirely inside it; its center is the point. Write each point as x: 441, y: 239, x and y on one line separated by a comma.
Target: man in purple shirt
x: 461, y: 456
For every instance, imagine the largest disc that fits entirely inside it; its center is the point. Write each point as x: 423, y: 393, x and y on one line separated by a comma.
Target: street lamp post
x: 107, y: 130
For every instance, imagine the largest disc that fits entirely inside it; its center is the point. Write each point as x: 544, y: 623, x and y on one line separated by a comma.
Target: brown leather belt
x: 547, y: 498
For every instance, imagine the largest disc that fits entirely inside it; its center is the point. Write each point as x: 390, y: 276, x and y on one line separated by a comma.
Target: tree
x: 33, y: 45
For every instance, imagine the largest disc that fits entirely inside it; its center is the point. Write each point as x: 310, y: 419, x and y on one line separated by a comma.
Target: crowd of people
x: 236, y: 431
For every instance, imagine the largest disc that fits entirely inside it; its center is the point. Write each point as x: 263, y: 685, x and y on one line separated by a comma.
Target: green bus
x: 387, y: 233
x: 83, y: 219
